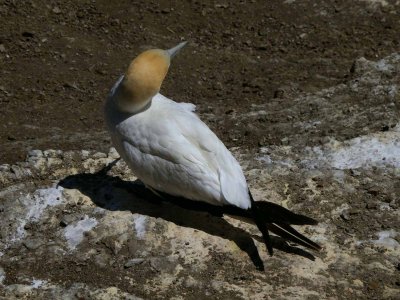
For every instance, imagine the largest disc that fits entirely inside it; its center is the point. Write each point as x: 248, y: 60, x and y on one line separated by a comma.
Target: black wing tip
x: 268, y: 215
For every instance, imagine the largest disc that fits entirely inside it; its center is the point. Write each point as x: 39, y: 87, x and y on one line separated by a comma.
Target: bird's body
x: 172, y: 151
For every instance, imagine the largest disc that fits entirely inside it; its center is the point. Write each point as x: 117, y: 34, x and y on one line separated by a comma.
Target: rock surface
x: 78, y: 224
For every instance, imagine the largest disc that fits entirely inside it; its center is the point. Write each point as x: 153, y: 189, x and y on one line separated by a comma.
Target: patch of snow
x: 367, y: 151
x: 74, y: 232
x: 315, y: 157
x: 140, y: 225
x: 383, y: 65
x: 42, y: 199
x: 36, y: 204
x: 266, y: 159
x: 37, y: 283
x: 386, y: 238
x: 374, y: 150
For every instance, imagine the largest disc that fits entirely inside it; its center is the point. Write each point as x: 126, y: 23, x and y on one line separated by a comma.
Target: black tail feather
x: 278, y: 219
x: 294, y: 232
x: 297, y: 238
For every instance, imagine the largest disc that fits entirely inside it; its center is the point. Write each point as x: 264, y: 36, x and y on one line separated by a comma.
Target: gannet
x: 172, y: 151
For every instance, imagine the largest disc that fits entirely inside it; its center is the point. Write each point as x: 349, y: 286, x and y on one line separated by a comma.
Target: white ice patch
x: 375, y: 150
x: 37, y: 283
x: 386, y: 238
x: 367, y: 152
x: 42, y: 199
x: 74, y: 233
x: 36, y: 205
x: 266, y: 159
x: 139, y: 222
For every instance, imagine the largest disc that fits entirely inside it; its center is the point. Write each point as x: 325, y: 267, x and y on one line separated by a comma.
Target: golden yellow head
x: 143, y: 79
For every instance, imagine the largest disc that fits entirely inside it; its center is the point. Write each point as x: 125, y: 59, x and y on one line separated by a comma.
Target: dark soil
x: 58, y: 60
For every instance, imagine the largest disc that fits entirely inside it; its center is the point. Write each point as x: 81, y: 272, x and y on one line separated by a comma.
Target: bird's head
x: 143, y: 79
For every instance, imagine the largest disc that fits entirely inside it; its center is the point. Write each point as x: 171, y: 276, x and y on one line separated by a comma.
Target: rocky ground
x: 305, y: 95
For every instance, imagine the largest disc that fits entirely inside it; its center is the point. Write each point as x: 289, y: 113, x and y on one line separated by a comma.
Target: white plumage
x: 171, y: 150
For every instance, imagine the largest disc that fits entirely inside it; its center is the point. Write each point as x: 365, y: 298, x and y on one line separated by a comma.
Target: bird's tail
x: 273, y: 217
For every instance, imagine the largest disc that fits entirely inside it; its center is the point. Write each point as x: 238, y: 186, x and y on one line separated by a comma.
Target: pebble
x: 32, y: 244
x: 190, y: 282
x: 4, y: 168
x: 66, y: 220
x: 133, y: 262
x: 262, y: 47
x: 69, y: 156
x: 303, y: 35
x: 262, y: 32
x: 28, y: 34
x: 35, y: 153
x: 279, y: 93
x: 19, y: 172
x: 358, y: 283
x: 285, y: 141
x: 372, y: 205
x: 345, y: 215
x: 2, y: 48
x: 113, y: 153
x: 156, y: 264
x: 52, y: 153
x: 56, y: 10
x: 98, y: 155
x: 85, y: 154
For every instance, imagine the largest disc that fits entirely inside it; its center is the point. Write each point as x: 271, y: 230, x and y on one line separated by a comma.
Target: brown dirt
x: 59, y: 59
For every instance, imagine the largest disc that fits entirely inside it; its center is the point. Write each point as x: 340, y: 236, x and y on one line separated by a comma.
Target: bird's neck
x: 131, y: 100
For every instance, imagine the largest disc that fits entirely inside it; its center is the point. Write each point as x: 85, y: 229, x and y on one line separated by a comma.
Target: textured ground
x: 73, y: 226
x: 306, y: 96
x: 58, y: 61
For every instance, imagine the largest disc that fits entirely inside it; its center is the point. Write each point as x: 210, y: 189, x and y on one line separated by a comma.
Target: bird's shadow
x: 114, y: 194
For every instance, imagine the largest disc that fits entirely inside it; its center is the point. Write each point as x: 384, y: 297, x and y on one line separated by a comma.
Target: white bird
x: 172, y: 151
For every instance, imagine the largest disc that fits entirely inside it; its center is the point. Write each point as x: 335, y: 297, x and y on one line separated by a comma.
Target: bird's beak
x: 173, y: 51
